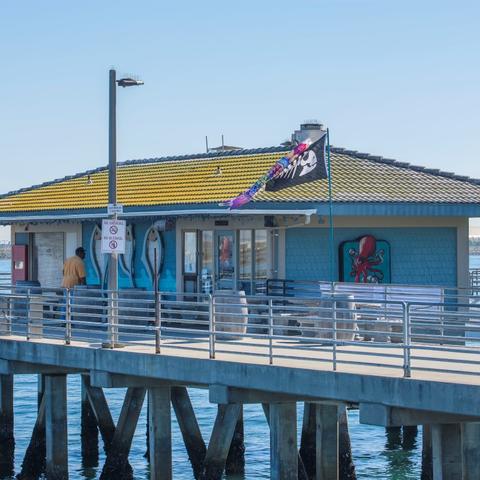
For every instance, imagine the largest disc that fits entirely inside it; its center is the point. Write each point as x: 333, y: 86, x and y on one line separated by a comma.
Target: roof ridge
x: 250, y: 151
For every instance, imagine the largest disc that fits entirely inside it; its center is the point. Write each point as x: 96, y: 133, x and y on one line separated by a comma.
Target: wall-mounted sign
x: 115, y: 209
x: 365, y: 260
x: 113, y: 236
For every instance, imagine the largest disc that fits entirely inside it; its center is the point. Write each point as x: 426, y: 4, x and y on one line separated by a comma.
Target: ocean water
x: 375, y: 455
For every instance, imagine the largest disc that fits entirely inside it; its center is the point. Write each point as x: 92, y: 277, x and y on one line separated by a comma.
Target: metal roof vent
x: 311, y: 129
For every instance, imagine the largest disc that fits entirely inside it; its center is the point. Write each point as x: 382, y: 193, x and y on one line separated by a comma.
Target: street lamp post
x: 112, y: 190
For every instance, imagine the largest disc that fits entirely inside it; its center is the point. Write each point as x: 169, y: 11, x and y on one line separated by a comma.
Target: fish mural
x: 127, y: 259
x: 99, y: 259
x: 153, y: 247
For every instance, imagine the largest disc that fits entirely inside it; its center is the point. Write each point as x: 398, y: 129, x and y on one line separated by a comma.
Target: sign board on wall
x: 113, y: 236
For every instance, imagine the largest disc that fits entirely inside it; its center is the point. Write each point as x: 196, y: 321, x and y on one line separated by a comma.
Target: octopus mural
x: 365, y: 260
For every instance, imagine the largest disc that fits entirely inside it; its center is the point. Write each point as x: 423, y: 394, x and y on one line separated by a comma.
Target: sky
x: 397, y: 79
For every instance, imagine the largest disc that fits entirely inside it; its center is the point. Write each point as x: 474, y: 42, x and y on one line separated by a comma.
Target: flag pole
x: 330, y: 212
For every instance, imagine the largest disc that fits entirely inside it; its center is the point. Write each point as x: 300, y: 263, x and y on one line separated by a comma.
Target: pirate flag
x: 309, y: 166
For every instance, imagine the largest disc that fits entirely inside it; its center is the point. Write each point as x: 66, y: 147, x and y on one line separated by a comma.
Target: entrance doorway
x: 225, y: 260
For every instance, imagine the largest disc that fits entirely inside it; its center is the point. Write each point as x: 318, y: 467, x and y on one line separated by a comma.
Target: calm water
x: 374, y: 456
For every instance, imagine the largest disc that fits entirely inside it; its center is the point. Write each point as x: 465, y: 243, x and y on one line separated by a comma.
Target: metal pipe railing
x: 344, y: 327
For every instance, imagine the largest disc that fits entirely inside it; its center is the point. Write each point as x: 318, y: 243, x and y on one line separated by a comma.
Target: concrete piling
x: 470, y: 450
x: 56, y: 427
x: 326, y: 442
x: 89, y: 428
x: 235, y: 464
x: 160, y: 433
x: 308, y: 439
x: 447, y: 451
x: 192, y: 436
x: 427, y: 473
x: 116, y: 464
x: 283, y: 441
x: 103, y: 417
x: 220, y: 441
x: 7, y: 440
x: 346, y: 466
x: 33, y: 464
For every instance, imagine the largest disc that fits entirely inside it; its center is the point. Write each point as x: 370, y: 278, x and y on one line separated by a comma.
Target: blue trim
x: 341, y: 209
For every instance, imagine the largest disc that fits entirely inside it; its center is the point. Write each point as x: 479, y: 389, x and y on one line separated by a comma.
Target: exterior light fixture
x: 129, y: 82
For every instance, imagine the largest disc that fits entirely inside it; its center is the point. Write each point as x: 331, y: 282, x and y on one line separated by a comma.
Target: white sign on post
x: 114, y: 209
x: 113, y: 236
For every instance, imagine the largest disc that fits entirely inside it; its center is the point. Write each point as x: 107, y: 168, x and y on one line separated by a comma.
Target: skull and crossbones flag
x: 309, y: 166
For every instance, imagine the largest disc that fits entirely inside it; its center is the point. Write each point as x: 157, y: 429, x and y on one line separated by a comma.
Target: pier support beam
x: 235, y: 464
x: 446, y: 451
x: 56, y: 427
x: 188, y: 424
x: 327, y: 442
x: 283, y: 441
x: 33, y: 464
x: 116, y: 464
x: 160, y: 433
x: 104, y: 419
x: 470, y: 450
x: 427, y: 473
x: 220, y: 441
x: 7, y: 440
x: 89, y: 428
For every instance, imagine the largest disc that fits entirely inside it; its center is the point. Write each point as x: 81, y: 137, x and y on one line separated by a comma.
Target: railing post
x: 211, y: 326
x: 334, y: 333
x: 270, y: 331
x: 407, y: 372
x: 158, y: 321
x: 68, y: 317
x: 112, y: 319
x: 28, y: 312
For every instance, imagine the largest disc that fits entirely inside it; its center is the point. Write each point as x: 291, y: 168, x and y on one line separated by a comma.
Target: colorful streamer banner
x: 279, y: 167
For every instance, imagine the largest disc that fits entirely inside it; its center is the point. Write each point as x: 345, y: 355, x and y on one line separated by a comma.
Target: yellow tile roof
x: 183, y: 180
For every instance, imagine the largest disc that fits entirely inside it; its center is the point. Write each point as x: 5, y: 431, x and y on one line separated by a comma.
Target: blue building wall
x: 141, y: 277
x: 418, y: 255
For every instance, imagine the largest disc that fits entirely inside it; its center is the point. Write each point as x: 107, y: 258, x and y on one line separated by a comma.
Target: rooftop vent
x: 311, y: 129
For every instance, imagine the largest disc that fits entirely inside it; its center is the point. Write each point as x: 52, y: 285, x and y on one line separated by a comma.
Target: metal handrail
x: 340, y: 327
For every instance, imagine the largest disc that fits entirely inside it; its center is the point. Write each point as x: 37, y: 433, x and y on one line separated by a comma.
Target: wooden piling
x: 160, y: 433
x: 189, y: 428
x: 56, y: 427
x: 116, y: 464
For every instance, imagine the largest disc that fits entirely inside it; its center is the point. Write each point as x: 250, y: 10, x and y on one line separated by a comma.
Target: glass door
x: 225, y: 260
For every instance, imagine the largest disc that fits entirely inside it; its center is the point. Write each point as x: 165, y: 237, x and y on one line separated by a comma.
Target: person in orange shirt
x: 74, y: 270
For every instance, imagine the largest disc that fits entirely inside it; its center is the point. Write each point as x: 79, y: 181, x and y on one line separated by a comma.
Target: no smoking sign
x: 113, y: 236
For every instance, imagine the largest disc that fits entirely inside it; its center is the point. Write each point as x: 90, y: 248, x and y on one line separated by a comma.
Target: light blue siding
x: 419, y: 255
x: 142, y: 280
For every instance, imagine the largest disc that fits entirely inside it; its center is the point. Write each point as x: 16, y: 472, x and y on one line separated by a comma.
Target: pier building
x: 247, y: 309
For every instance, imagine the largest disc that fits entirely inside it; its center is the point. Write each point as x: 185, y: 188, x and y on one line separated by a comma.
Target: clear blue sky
x: 398, y: 79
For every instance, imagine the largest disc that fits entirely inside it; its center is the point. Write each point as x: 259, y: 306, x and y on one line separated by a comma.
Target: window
x: 190, y: 253
x: 206, y: 271
x: 261, y: 257
x: 245, y: 266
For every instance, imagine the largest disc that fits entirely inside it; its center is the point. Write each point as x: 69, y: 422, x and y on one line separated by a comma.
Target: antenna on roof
x: 223, y: 144
x: 206, y: 142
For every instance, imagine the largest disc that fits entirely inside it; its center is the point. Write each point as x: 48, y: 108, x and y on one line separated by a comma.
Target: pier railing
x: 341, y: 328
